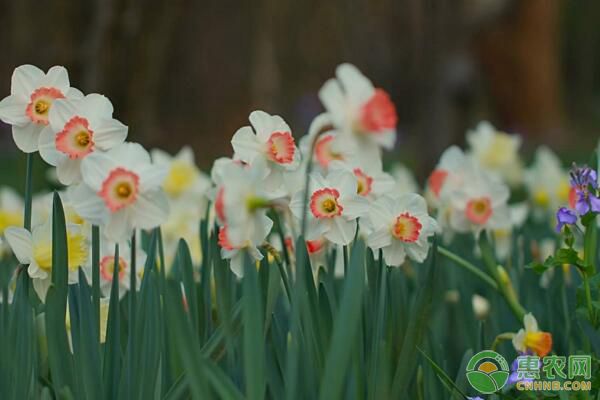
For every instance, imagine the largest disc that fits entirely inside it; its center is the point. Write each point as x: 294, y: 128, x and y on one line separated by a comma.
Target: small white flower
x: 32, y: 95
x: 497, y: 152
x: 481, y: 306
x: 531, y: 339
x: 121, y: 191
x: 77, y: 128
x: 107, y: 266
x: 333, y: 207
x: 234, y: 252
x: 400, y: 227
x: 503, y: 238
x: 271, y: 142
x: 35, y: 249
x: 360, y: 111
x: 449, y: 174
x: 184, y: 178
x: 330, y: 145
x: 241, y: 202
x: 479, y: 205
x: 547, y: 184
x: 11, y: 214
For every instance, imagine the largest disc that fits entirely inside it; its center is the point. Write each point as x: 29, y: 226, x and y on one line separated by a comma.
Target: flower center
x: 479, y: 210
x: 76, y: 252
x: 40, y: 103
x: 281, y: 147
x: 107, y: 267
x: 76, y: 138
x: 181, y: 177
x: 539, y: 342
x: 364, y: 182
x: 407, y: 228
x: 324, y: 203
x: 324, y: 153
x: 9, y: 218
x: 541, y: 198
x: 120, y: 189
x: 42, y: 107
x: 378, y: 114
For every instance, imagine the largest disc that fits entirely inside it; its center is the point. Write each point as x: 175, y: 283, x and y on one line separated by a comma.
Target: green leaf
x: 112, y: 348
x: 199, y: 369
x: 59, y: 353
x: 254, y: 346
x: 184, y: 260
x: 346, y: 327
x: 416, y: 329
x: 441, y: 374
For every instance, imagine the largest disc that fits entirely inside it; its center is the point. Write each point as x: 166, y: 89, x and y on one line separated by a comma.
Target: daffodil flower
x: 497, y: 152
x: 531, y: 339
x: 479, y: 205
x: 242, y: 201
x: 400, y: 227
x: 32, y: 96
x: 107, y: 266
x: 328, y: 145
x: 235, y: 252
x: 184, y: 179
x: 361, y: 112
x: 77, y: 128
x: 547, y: 184
x: 333, y: 207
x: 121, y: 191
x: 35, y: 249
x: 270, y: 141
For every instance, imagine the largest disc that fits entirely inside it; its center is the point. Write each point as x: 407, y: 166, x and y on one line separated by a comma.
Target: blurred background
x: 189, y: 72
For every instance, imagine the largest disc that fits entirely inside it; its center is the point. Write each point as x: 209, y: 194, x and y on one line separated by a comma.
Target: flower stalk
x: 501, y: 277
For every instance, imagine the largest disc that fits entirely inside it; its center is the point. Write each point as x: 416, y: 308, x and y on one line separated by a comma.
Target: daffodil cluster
x: 109, y: 183
x: 347, y: 187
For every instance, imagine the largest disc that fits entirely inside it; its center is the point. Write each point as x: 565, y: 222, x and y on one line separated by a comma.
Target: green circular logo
x: 487, y: 371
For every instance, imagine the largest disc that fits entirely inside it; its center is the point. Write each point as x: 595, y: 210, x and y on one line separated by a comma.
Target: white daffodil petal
x: 69, y: 171
x: 24, y: 78
x: 47, y: 146
x: 26, y: 138
x: 245, y: 145
x: 109, y: 133
x: 20, y: 241
x: 12, y: 111
x: 150, y: 210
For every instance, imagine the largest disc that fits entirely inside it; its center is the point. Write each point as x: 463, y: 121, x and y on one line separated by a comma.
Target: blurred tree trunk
x: 520, y: 58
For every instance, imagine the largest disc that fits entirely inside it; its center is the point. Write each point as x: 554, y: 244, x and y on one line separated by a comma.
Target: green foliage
x: 200, y: 332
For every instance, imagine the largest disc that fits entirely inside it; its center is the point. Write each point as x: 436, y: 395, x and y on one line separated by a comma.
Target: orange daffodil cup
x: 121, y: 191
x: 77, y: 128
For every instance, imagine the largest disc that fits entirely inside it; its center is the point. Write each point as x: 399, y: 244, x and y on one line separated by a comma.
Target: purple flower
x: 564, y: 216
x: 582, y: 179
x: 586, y: 202
x: 475, y: 398
x: 513, y: 378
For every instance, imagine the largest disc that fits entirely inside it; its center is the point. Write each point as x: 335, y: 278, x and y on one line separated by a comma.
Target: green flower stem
x: 590, y: 241
x: 307, y: 181
x: 500, y: 338
x: 96, y: 272
x: 461, y: 262
x: 501, y: 277
x: 28, y: 192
